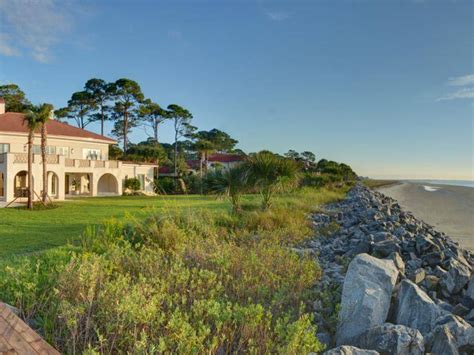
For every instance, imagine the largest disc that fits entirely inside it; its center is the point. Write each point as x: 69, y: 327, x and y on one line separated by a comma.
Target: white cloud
x: 34, y: 26
x: 462, y: 80
x: 6, y: 48
x: 466, y: 93
x: 276, y: 15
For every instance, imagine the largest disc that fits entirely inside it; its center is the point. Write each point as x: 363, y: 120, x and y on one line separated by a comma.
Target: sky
x: 386, y: 86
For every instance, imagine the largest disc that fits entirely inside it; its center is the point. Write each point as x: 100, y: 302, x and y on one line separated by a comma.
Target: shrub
x: 165, y: 185
x: 231, y: 183
x: 132, y: 184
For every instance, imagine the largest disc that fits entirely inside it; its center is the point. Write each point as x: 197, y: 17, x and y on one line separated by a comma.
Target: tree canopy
x: 15, y: 98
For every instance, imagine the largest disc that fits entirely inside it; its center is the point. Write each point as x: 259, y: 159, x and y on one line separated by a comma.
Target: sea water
x: 466, y: 183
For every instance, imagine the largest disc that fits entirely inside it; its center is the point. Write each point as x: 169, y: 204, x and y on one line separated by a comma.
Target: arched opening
x: 107, y: 185
x: 2, y: 186
x: 53, y: 185
x: 21, y: 184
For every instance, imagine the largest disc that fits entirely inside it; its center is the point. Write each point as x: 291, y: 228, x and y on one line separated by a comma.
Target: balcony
x: 59, y: 161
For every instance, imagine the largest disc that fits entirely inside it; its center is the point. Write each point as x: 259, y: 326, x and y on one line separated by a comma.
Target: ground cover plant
x: 186, y: 280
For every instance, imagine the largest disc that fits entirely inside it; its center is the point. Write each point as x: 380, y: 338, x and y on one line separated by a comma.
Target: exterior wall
x: 18, y: 144
x: 13, y: 163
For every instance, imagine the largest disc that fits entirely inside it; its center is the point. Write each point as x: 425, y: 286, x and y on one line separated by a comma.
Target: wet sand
x: 450, y: 209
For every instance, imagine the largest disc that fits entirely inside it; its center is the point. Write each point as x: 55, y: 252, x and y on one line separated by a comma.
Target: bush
x: 178, y: 282
x: 132, y: 184
x: 194, y: 184
x: 166, y: 185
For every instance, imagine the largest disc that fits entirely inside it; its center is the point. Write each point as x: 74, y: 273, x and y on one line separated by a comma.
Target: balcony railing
x: 22, y: 158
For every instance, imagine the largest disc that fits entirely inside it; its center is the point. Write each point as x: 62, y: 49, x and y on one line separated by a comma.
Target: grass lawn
x: 23, y: 231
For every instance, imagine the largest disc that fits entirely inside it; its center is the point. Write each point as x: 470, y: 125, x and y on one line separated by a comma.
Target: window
x: 141, y: 178
x: 91, y: 154
x: 64, y: 151
x: 4, y: 148
x: 50, y: 150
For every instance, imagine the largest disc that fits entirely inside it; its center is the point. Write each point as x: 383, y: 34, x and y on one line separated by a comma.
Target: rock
x: 431, y: 282
x: 425, y: 244
x: 417, y: 275
x: 385, y: 247
x: 324, y: 338
x: 470, y: 317
x: 462, y: 331
x: 398, y: 261
x: 393, y: 339
x: 441, y: 341
x: 350, y: 350
x: 433, y: 259
x: 456, y: 278
x: 414, y: 308
x: 366, y: 296
x: 470, y: 289
x: 460, y: 310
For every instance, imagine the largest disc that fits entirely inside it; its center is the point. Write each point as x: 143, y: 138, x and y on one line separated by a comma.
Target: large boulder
x: 350, y: 350
x: 393, y: 339
x: 414, y: 308
x: 470, y: 290
x: 462, y: 331
x: 456, y: 278
x: 441, y: 341
x: 366, y: 296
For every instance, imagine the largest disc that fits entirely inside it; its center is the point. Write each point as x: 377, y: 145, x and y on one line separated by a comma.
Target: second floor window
x: 4, y: 148
x: 50, y: 150
x: 63, y: 151
x: 91, y: 154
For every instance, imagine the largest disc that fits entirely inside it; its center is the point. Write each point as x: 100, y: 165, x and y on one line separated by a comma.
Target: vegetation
x: 183, y: 281
x: 15, y: 98
x: 132, y: 184
x: 374, y: 184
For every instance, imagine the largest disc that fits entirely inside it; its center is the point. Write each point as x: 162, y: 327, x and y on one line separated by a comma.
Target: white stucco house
x: 77, y: 162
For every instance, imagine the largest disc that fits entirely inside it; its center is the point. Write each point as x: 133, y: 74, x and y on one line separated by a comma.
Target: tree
x: 270, y: 173
x: 79, y: 107
x: 31, y: 120
x: 221, y: 141
x: 147, y: 151
x: 203, y: 147
x: 100, y: 93
x: 231, y: 183
x: 182, y: 127
x: 153, y: 116
x: 43, y: 115
x: 127, y: 95
x: 15, y: 98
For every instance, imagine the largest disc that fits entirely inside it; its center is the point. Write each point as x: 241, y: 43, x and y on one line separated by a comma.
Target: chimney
x: 2, y: 106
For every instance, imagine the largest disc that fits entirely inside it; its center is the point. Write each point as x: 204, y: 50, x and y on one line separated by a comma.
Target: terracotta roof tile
x: 14, y: 122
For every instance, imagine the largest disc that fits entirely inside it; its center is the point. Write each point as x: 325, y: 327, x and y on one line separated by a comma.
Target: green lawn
x: 23, y: 231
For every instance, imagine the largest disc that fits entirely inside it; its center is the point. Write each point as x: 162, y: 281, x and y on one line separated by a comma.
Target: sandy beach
x: 450, y: 209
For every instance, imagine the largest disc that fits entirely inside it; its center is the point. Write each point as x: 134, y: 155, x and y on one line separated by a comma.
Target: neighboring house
x: 223, y: 161
x: 77, y: 162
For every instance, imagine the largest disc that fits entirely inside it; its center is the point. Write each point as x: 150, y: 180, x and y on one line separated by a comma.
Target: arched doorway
x: 2, y: 186
x: 21, y: 184
x: 107, y: 185
x: 53, y: 185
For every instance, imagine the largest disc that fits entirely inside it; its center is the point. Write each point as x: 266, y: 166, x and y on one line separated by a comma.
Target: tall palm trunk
x: 30, y: 169
x: 44, y: 142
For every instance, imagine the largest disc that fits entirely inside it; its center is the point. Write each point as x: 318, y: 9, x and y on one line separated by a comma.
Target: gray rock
x: 393, y: 339
x: 462, y: 331
x: 417, y: 275
x: 398, y: 261
x: 470, y: 289
x: 431, y: 282
x: 324, y: 338
x: 441, y: 341
x: 385, y: 247
x: 433, y: 259
x: 414, y: 308
x: 456, y: 278
x: 366, y: 296
x: 460, y: 310
x: 350, y: 350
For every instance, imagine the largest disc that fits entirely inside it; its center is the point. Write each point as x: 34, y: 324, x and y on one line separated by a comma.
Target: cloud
x: 34, y: 26
x: 465, y: 93
x: 6, y: 47
x: 462, y: 80
x: 277, y: 15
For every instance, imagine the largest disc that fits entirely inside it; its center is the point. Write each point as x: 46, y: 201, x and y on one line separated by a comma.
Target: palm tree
x: 270, y: 173
x: 43, y: 116
x: 203, y: 147
x: 231, y: 183
x: 31, y: 120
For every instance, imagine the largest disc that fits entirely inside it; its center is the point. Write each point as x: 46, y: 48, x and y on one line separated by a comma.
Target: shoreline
x: 448, y: 208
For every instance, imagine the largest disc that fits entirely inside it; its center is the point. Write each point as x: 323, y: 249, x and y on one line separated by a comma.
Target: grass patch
x: 374, y: 184
x: 188, y: 277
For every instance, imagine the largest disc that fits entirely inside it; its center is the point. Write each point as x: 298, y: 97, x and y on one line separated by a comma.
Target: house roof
x: 225, y: 158
x: 14, y: 122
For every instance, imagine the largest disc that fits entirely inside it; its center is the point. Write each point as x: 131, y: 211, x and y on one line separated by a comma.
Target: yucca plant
x: 230, y: 183
x: 270, y: 174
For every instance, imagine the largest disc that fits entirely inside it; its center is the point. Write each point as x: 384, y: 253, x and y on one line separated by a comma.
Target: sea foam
x: 430, y: 188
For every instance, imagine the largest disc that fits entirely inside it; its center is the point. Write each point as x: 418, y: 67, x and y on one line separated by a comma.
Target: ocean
x: 466, y: 183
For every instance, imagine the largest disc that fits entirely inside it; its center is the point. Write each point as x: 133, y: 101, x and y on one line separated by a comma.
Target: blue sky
x: 386, y: 86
